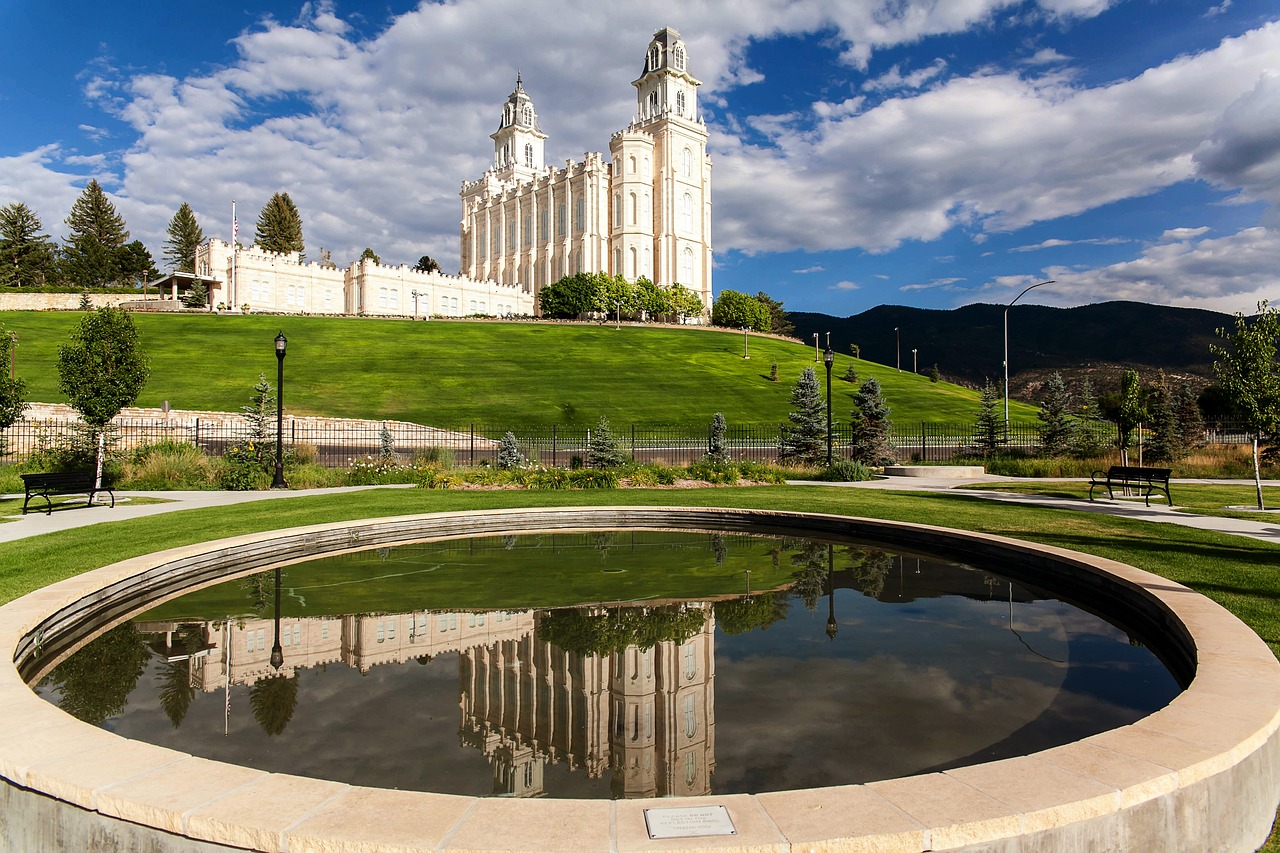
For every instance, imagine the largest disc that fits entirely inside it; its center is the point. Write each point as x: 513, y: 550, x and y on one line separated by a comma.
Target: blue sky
x: 865, y: 152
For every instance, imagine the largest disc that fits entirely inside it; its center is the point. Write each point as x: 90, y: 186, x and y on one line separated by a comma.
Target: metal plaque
x: 688, y: 823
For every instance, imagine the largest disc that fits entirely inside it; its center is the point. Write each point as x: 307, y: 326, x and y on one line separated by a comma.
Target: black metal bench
x: 71, y: 483
x: 1151, y: 481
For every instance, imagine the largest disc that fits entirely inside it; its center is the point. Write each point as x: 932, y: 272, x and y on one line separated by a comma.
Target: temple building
x: 644, y: 213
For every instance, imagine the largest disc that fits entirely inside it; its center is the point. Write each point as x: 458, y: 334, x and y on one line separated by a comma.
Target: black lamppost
x: 277, y: 482
x: 828, y: 358
x: 277, y: 653
x: 832, y: 628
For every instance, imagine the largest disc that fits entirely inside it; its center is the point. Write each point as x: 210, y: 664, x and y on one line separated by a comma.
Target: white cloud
x: 895, y: 79
x: 845, y: 285
x: 1178, y: 234
x: 807, y: 270
x: 1055, y: 243
x: 1220, y: 274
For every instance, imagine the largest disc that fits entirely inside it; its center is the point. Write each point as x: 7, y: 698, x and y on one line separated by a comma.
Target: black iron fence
x: 339, y: 444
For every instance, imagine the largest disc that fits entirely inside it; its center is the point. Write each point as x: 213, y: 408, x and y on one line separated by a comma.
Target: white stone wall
x: 62, y: 301
x: 280, y: 282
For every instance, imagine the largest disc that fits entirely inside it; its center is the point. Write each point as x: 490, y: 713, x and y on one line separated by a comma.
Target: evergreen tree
x: 1249, y: 371
x: 1186, y: 411
x: 603, y: 450
x: 196, y: 297
x: 370, y: 255
x: 989, y: 431
x: 11, y: 388
x: 135, y: 264
x: 272, y: 700
x: 92, y: 251
x: 805, y: 440
x: 426, y: 264
x: 183, y: 237
x: 1087, y: 442
x: 717, y: 453
x: 386, y: 445
x: 279, y: 226
x: 871, y: 442
x: 1164, y: 445
x: 260, y: 412
x: 1056, y: 426
x: 509, y: 455
x: 26, y: 256
x: 850, y: 374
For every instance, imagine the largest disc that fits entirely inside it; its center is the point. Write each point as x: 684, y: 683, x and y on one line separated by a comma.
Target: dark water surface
x: 857, y: 665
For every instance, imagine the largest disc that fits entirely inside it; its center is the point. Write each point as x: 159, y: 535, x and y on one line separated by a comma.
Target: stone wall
x: 60, y: 301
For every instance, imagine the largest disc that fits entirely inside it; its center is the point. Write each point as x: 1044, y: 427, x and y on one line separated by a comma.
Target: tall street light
x: 815, y: 347
x: 1006, y: 345
x: 913, y: 360
x: 897, y: 347
x: 415, y: 294
x: 277, y: 482
x: 277, y: 653
x: 828, y: 358
x: 745, y: 354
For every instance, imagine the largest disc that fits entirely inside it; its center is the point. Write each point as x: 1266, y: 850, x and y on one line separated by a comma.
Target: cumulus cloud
x: 846, y: 285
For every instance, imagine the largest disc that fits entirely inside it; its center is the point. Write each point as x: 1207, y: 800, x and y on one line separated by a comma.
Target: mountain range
x: 967, y: 344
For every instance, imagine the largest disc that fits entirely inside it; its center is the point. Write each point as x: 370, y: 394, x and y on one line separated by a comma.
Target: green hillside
x: 455, y: 373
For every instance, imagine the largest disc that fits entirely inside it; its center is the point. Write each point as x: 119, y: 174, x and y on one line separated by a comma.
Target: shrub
x: 168, y: 465
x: 509, y: 455
x: 847, y: 471
x: 652, y: 475
x: 376, y: 471
x: 716, y: 451
x: 439, y: 456
x: 602, y: 448
x: 241, y: 469
x: 850, y: 374
x: 302, y: 453
x: 773, y: 372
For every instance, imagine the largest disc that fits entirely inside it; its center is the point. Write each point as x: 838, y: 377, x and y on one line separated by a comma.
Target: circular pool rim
x: 1198, y: 774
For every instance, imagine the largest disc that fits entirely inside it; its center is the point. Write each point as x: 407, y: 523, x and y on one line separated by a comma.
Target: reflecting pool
x: 614, y: 664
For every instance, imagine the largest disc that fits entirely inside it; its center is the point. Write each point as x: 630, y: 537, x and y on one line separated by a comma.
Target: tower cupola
x: 666, y: 89
x: 517, y: 143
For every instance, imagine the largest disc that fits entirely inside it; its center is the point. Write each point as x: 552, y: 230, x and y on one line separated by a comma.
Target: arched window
x: 686, y: 267
x: 653, y: 103
x: 690, y: 665
x: 646, y: 167
x: 635, y: 209
x: 528, y: 154
x: 690, y: 715
x: 543, y: 214
x: 654, y: 55
x: 686, y: 212
x: 617, y: 261
x: 528, y: 229
x: 617, y: 209
x: 526, y: 115
x: 560, y: 219
x: 635, y: 273
x: 580, y: 214
x: 686, y: 162
x: 680, y: 102
x: 631, y: 165
x: 677, y: 58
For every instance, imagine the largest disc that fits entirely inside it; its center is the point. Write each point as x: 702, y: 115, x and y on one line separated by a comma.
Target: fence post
x: 473, y: 445
x: 196, y: 442
x: 553, y: 447
x: 633, y: 442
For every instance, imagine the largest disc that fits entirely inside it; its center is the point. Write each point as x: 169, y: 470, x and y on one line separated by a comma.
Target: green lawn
x: 1201, y: 499
x: 1238, y: 573
x: 456, y: 373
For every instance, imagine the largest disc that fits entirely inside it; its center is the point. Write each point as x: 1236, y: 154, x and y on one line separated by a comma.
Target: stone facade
x: 644, y: 213
x: 259, y: 280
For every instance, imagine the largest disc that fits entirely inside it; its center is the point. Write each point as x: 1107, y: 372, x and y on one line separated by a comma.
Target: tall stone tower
x: 667, y: 111
x: 517, y: 143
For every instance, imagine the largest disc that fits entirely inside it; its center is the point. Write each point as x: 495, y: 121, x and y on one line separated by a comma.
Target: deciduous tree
x: 736, y: 310
x: 1247, y: 368
x: 1130, y: 411
x: 12, y: 388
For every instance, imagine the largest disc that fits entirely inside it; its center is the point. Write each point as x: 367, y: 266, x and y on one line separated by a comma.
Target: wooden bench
x: 1150, y: 481
x: 71, y: 483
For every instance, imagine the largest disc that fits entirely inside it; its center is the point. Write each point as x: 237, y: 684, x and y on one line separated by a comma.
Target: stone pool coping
x: 1200, y: 774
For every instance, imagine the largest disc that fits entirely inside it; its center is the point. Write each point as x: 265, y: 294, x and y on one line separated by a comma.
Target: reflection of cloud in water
x: 364, y: 708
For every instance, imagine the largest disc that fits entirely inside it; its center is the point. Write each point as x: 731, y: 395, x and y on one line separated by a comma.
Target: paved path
x: 34, y: 524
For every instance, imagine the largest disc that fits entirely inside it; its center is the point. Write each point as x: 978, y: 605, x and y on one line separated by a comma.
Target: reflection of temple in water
x: 645, y: 715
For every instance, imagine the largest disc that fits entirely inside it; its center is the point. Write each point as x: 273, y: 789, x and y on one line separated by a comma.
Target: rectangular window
x: 560, y: 219
x: 528, y: 229
x: 542, y: 225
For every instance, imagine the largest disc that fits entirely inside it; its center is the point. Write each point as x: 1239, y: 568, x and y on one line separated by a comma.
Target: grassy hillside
x: 454, y: 373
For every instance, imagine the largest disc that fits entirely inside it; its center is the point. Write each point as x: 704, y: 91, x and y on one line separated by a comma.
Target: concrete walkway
x: 1265, y: 529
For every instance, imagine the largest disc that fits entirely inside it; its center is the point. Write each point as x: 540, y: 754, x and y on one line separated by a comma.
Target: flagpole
x: 235, y: 234
x: 226, y: 714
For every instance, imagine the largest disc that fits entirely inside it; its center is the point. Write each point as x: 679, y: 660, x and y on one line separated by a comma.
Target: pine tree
x: 26, y: 255
x: 184, y: 236
x: 386, y: 445
x: 1165, y: 444
x: 196, y: 297
x: 1087, y: 442
x: 716, y: 451
x: 509, y: 455
x: 1056, y: 426
x: 261, y: 413
x: 1186, y: 410
x: 279, y: 226
x: 370, y: 255
x: 805, y: 440
x: 93, y: 248
x: 871, y: 427
x: 988, y: 430
x: 603, y: 450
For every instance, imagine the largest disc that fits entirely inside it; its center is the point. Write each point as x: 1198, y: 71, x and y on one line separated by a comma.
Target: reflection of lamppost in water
x: 277, y: 653
x: 277, y: 481
x: 831, y: 593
